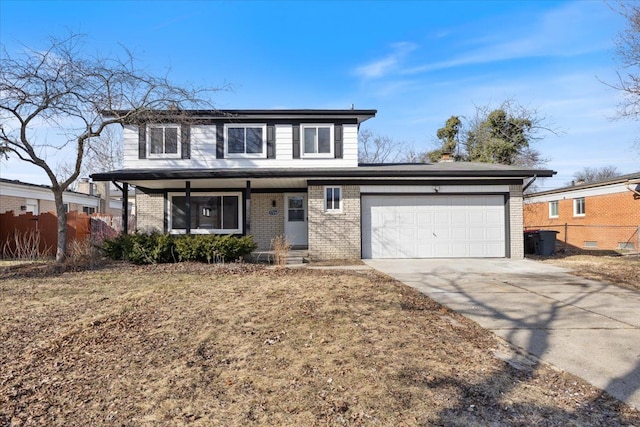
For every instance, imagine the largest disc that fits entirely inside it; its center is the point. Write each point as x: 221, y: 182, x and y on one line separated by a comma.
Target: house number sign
x: 274, y: 212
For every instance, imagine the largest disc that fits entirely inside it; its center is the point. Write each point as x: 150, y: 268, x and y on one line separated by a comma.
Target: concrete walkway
x: 587, y: 328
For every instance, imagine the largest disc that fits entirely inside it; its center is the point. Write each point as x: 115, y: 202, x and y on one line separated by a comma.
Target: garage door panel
x: 459, y: 233
x: 433, y: 226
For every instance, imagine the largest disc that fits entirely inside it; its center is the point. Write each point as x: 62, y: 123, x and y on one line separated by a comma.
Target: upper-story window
x: 317, y: 140
x: 245, y: 141
x: 579, y: 208
x: 553, y: 209
x: 163, y: 141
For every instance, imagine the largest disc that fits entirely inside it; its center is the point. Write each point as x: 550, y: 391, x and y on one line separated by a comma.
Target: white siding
x: 130, y: 140
x: 203, y: 142
x: 350, y: 144
x: 203, y: 152
x: 284, y: 142
x: 442, y: 189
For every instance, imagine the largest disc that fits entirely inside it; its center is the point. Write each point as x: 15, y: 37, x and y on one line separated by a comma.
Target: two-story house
x: 296, y: 173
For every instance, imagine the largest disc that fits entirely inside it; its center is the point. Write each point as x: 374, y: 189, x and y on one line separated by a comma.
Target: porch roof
x: 299, y: 177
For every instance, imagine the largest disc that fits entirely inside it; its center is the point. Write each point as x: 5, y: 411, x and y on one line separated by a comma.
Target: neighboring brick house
x: 21, y: 197
x: 599, y: 215
x: 110, y: 197
x: 296, y: 173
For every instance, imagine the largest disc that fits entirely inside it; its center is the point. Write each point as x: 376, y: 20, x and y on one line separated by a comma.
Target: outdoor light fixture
x: 273, y: 203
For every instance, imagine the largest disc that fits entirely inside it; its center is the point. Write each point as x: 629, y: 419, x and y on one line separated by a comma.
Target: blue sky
x: 417, y: 63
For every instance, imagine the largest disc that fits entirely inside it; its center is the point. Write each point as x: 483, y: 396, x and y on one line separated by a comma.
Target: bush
x: 153, y: 248
x: 118, y: 248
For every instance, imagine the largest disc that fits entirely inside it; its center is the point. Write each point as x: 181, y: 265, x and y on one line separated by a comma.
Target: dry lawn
x: 239, y: 346
x: 623, y: 271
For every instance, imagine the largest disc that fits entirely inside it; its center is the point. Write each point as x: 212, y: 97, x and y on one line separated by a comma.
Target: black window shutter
x: 271, y: 142
x: 142, y: 141
x: 220, y: 142
x: 185, y: 139
x: 337, y: 136
x: 296, y: 141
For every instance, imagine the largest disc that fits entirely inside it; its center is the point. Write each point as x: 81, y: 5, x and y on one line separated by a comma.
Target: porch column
x: 247, y: 209
x: 187, y: 207
x: 125, y: 208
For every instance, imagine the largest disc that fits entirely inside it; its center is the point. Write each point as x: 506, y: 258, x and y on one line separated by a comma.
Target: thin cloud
x: 563, y: 32
x: 389, y: 63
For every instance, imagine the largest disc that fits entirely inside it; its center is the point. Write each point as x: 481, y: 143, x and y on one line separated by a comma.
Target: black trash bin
x: 531, y: 241
x: 546, y: 245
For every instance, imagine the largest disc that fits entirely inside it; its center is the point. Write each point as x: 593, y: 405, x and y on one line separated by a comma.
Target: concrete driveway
x: 587, y: 328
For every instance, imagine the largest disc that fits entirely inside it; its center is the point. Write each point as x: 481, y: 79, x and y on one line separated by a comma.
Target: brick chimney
x: 445, y: 157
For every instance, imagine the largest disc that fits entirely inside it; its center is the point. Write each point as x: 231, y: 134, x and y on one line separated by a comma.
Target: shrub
x: 281, y: 247
x: 118, y: 248
x: 153, y: 248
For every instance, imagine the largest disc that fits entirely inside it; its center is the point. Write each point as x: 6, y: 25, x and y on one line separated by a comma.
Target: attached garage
x: 434, y: 226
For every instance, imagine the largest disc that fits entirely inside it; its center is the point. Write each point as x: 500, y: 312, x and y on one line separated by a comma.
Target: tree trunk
x: 61, y: 251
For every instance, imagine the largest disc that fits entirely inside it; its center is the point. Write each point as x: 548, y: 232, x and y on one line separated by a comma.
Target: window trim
x: 557, y: 206
x: 316, y: 155
x: 245, y: 155
x: 340, y: 202
x: 170, y: 228
x: 575, y: 207
x: 177, y: 154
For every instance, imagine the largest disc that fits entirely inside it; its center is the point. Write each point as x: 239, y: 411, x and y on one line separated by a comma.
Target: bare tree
x: 64, y: 89
x: 589, y: 174
x: 374, y: 148
x: 103, y: 153
x: 628, y: 53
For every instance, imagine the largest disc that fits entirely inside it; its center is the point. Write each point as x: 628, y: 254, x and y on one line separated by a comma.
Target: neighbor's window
x: 163, y: 141
x: 317, y: 140
x: 579, y: 207
x: 626, y: 246
x: 88, y: 210
x: 333, y: 199
x: 553, y: 209
x: 245, y: 140
x: 210, y: 213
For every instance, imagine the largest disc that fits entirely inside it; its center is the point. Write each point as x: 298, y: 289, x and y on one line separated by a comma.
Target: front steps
x: 294, y: 257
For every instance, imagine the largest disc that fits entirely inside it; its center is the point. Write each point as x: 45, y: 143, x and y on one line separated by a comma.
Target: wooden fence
x: 26, y: 229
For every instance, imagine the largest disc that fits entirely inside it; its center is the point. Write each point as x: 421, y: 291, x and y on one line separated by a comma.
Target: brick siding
x: 11, y: 203
x: 265, y: 227
x: 515, y: 222
x: 609, y: 220
x: 151, y: 211
x: 334, y: 235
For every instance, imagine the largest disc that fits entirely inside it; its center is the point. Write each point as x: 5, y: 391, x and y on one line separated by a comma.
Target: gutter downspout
x: 528, y: 184
x: 628, y: 185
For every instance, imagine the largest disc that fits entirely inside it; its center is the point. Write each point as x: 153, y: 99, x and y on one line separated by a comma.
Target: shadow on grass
x: 488, y: 402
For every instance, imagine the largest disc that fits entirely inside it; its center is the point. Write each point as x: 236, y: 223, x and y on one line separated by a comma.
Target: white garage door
x: 448, y: 226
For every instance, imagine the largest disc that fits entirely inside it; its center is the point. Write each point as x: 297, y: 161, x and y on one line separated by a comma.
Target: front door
x: 295, y: 219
